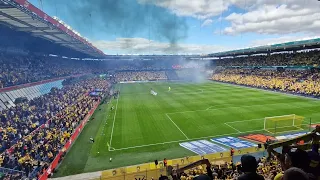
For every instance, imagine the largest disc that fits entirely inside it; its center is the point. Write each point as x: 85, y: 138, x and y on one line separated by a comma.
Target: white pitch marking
x: 169, y: 142
x: 114, y: 118
x: 245, y: 120
x: 177, y: 126
x: 218, y: 108
x: 217, y: 105
x: 232, y: 127
x: 270, y: 91
x: 132, y: 147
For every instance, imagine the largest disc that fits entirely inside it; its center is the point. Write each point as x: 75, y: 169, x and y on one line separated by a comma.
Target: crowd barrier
x: 150, y: 170
x: 66, y: 147
x: 10, y: 171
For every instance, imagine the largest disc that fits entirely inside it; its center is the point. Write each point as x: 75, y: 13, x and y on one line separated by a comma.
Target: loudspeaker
x: 259, y: 145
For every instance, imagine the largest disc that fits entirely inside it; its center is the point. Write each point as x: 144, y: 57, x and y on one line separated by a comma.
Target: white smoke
x: 195, y: 71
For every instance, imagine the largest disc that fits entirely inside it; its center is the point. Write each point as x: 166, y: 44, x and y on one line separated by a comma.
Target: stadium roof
x: 147, y: 57
x: 288, y: 46
x: 23, y: 16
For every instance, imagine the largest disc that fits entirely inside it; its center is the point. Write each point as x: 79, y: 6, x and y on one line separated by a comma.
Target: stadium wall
x: 150, y: 170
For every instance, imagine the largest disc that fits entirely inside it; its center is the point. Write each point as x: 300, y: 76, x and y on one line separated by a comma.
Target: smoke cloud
x: 121, y: 18
x: 197, y: 71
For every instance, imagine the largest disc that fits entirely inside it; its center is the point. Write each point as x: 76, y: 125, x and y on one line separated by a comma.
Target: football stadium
x: 168, y: 90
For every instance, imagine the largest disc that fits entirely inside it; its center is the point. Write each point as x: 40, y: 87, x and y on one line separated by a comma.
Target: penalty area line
x: 177, y: 126
x: 114, y: 119
x: 147, y: 145
x: 232, y: 128
x: 178, y: 141
x: 110, y: 148
x: 213, y: 109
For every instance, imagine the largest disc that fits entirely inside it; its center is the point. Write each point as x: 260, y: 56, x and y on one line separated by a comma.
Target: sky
x: 186, y: 26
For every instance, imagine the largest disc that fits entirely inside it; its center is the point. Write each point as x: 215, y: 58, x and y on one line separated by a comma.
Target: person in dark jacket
x: 249, y: 167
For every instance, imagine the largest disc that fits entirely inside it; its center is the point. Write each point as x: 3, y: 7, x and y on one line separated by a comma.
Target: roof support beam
x: 15, y: 19
x: 31, y: 28
x: 45, y: 33
x: 64, y: 42
x: 5, y: 6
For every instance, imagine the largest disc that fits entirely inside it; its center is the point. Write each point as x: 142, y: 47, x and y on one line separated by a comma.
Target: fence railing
x: 10, y: 171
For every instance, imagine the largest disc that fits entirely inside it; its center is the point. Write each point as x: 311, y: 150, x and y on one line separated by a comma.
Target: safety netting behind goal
x: 285, y: 123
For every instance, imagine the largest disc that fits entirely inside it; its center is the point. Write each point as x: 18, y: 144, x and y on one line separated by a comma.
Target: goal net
x: 285, y: 123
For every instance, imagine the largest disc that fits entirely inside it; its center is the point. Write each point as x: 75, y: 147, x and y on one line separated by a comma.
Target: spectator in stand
x: 303, y: 82
x: 249, y: 167
x: 295, y: 174
x: 19, y: 69
x: 140, y: 76
x: 61, y: 111
x: 308, y: 58
x: 277, y: 167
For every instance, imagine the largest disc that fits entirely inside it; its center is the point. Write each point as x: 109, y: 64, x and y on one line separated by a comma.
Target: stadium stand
x: 21, y: 69
x: 296, y: 73
x: 36, y: 130
x: 309, y: 58
x: 140, y: 76
x: 297, y: 81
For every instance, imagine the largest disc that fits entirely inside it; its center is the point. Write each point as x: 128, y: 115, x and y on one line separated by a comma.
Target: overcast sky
x: 186, y: 26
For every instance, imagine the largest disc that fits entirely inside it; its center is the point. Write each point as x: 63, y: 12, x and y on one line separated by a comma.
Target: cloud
x: 275, y: 17
x: 258, y: 16
x: 144, y: 46
x: 207, y: 22
x: 200, y: 9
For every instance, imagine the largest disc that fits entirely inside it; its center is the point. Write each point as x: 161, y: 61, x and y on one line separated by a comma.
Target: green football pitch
x: 143, y: 127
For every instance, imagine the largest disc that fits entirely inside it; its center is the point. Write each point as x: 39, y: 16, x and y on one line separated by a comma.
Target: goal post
x: 291, y: 122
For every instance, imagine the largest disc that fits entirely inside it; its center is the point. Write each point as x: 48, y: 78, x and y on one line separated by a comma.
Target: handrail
x: 4, y: 170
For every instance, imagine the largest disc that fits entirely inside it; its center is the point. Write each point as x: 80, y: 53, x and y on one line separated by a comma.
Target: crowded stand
x: 22, y: 69
x: 18, y: 69
x: 28, y: 147
x: 304, y: 82
x: 309, y: 58
x: 260, y: 167
x: 140, y: 76
x: 296, y: 73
